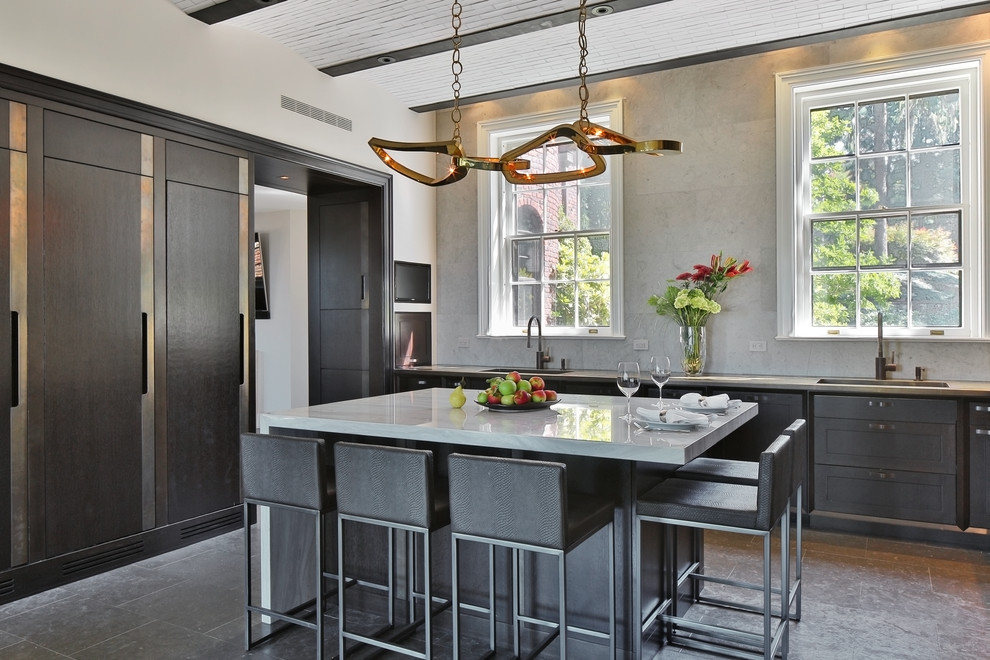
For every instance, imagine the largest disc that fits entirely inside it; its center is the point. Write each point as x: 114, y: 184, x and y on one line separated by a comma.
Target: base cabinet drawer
x: 886, y: 493
x: 889, y: 444
x: 979, y: 465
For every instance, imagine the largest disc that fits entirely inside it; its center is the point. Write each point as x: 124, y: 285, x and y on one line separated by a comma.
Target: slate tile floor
x: 864, y: 597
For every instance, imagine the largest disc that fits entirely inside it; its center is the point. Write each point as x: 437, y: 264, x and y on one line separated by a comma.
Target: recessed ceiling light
x: 386, y: 59
x: 601, y: 10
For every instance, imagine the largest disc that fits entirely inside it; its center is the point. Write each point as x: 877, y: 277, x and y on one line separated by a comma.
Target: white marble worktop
x: 578, y: 425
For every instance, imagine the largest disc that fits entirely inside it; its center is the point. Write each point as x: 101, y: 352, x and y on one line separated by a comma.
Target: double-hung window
x: 880, y: 199
x: 551, y: 250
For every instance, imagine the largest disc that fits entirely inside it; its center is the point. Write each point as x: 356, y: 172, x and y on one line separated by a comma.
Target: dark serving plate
x: 498, y: 407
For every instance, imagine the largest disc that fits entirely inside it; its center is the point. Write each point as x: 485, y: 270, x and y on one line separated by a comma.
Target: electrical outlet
x: 758, y: 345
x: 463, y: 342
x: 641, y: 345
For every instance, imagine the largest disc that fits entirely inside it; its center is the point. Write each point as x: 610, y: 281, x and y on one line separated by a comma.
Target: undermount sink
x: 874, y: 382
x: 524, y: 370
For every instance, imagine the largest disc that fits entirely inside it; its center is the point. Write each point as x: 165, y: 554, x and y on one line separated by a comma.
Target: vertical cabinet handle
x: 144, y: 352
x: 241, y: 316
x: 364, y: 287
x: 15, y: 381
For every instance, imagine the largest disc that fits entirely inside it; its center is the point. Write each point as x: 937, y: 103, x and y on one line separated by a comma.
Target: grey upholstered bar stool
x: 524, y: 505
x: 747, y: 473
x: 734, y: 508
x: 292, y: 474
x: 390, y: 487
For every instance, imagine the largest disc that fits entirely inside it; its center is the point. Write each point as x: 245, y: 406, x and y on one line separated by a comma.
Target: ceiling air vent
x: 318, y: 114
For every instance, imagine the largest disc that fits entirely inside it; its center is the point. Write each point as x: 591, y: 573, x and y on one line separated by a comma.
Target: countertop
x: 578, y: 425
x: 895, y: 386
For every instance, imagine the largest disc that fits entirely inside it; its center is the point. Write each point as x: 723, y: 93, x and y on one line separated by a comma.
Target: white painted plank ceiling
x: 330, y: 32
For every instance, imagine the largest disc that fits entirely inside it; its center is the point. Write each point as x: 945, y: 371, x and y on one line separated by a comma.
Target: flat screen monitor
x: 412, y: 282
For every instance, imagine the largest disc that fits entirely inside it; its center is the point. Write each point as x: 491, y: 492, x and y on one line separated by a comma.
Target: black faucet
x: 541, y: 357
x: 881, y: 362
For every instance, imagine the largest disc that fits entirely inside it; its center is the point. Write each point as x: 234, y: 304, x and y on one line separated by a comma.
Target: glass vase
x: 694, y: 349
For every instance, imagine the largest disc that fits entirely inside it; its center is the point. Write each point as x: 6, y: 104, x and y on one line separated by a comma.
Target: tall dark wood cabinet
x: 88, y: 261
x: 8, y: 344
x: 206, y: 214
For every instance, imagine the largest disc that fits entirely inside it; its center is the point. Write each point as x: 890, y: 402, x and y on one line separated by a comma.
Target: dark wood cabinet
x: 778, y: 410
x: 204, y: 368
x: 92, y: 333
x: 7, y: 361
x: 886, y: 457
x: 979, y: 464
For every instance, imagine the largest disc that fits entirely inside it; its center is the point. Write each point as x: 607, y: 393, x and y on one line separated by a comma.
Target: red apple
x: 551, y: 395
x: 513, y: 376
x: 539, y: 396
x: 494, y: 397
x: 537, y: 383
x: 521, y: 397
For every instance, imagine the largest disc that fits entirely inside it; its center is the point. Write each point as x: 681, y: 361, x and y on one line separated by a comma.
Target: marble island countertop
x: 814, y: 384
x: 578, y: 425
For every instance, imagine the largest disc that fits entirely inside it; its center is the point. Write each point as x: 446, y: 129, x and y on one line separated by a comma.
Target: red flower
x: 683, y: 276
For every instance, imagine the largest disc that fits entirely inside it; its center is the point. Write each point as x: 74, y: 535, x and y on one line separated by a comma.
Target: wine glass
x: 660, y: 373
x: 627, y: 378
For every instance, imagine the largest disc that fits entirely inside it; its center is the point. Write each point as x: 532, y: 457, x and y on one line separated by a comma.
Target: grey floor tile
x: 124, y: 584
x: 25, y: 650
x: 156, y: 640
x: 192, y: 604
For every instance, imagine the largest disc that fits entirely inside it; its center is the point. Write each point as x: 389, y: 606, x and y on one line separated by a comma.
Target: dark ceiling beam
x: 727, y: 54
x: 484, y: 36
x: 230, y: 9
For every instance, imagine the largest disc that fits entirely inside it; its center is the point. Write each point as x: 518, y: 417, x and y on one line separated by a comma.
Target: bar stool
x: 524, y: 505
x: 390, y: 487
x: 286, y: 473
x: 734, y: 508
x: 747, y: 473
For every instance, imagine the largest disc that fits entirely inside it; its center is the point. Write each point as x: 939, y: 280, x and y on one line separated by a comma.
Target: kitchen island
x: 604, y: 455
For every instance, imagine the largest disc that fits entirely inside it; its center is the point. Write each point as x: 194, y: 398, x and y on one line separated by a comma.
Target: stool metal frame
x: 698, y: 504
x: 487, y: 497
x: 747, y: 473
x: 389, y: 487
x: 291, y: 474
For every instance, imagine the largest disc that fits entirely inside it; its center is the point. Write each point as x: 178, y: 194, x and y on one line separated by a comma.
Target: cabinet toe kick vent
x: 113, y: 557
x: 6, y: 587
x: 234, y: 518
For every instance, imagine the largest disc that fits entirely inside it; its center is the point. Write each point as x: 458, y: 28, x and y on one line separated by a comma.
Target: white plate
x: 667, y: 426
x: 708, y: 410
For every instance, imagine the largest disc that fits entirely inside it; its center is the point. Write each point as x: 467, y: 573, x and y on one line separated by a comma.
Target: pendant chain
x: 456, y: 68
x: 583, y: 66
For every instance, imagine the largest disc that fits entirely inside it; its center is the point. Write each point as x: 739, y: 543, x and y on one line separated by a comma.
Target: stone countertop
x: 811, y: 384
x: 578, y: 425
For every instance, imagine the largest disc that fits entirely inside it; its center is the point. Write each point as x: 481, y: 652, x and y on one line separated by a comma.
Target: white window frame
x: 494, y: 298
x: 797, y: 93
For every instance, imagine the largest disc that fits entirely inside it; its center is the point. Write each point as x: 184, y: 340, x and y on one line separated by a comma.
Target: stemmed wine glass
x: 660, y: 373
x: 627, y: 378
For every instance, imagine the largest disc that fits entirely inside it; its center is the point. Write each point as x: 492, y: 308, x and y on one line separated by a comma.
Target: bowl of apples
x: 514, y: 393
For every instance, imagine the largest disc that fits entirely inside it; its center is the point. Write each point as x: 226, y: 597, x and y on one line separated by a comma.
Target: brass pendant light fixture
x: 593, y: 139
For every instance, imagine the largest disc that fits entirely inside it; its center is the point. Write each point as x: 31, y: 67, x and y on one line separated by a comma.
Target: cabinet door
x: 778, y: 410
x: 979, y: 459
x: 7, y: 369
x: 92, y: 333
x: 899, y: 494
x: 203, y: 359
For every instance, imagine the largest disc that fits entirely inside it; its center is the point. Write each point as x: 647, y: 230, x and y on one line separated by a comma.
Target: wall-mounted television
x: 261, y: 308
x: 412, y: 282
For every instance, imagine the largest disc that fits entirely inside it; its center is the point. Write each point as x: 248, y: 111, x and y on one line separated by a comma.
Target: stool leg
x: 247, y: 577
x: 800, y: 556
x: 562, y: 604
x: 455, y: 600
x: 785, y: 581
x: 611, y: 590
x: 515, y: 602
x: 767, y: 603
x: 391, y: 577
x: 491, y: 598
x: 636, y: 620
x: 319, y: 586
x: 428, y: 601
x: 341, y: 616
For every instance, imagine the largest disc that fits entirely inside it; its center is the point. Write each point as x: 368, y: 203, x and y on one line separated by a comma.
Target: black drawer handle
x: 879, y: 404
x: 882, y: 427
x: 882, y: 475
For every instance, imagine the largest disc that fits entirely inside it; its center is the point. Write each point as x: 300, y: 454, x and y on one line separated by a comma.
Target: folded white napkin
x: 695, y: 400
x: 671, y: 416
x: 675, y: 416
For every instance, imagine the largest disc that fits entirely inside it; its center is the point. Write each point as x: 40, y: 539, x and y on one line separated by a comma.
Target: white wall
x: 282, y: 342
x: 720, y: 194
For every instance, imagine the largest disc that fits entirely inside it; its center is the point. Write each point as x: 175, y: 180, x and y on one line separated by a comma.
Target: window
x: 551, y: 250
x: 880, y: 201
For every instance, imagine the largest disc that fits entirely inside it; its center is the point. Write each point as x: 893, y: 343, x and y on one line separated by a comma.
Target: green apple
x: 507, y: 399
x: 482, y: 397
x: 525, y: 386
x: 507, y: 387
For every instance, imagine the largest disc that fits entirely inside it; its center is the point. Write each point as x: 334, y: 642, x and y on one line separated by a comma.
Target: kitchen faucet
x: 882, y: 365
x: 541, y: 357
